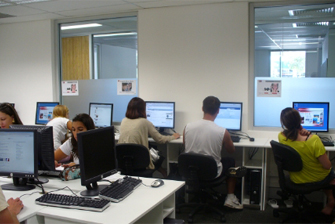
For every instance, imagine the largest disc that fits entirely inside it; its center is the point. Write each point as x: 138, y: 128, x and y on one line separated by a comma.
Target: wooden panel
x: 75, y: 58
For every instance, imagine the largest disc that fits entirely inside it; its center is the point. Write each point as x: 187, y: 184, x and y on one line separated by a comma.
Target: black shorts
x: 227, y: 162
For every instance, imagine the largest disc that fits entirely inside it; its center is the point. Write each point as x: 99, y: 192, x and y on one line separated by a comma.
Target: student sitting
x: 135, y: 128
x: 80, y: 123
x: 317, y: 168
x: 8, y: 116
x: 60, y: 123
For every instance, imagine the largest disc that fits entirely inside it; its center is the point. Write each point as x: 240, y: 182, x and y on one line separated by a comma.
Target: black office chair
x: 199, y: 172
x: 288, y: 159
x: 133, y: 160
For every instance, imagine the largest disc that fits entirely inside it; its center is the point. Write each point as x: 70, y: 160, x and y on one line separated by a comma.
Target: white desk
x: 144, y: 205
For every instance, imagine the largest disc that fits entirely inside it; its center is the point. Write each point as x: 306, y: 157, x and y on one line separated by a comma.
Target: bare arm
x: 69, y: 125
x: 184, y: 137
x: 59, y: 154
x: 325, y: 162
x: 227, y: 143
x: 9, y: 215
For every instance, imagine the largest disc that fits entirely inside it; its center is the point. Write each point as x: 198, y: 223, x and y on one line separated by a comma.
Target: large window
x: 294, y: 49
x: 288, y: 64
x: 99, y: 56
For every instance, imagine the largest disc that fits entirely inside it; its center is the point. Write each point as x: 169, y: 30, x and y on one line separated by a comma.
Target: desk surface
x: 136, y: 205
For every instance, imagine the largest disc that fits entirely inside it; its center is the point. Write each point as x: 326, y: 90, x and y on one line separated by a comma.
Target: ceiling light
x: 294, y: 24
x: 115, y: 34
x: 80, y: 26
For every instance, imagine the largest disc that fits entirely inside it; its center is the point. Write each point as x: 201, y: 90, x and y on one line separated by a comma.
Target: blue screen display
x: 230, y: 116
x: 314, y: 115
x: 44, y: 112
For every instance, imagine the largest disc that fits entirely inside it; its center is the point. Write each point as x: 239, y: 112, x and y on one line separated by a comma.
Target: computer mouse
x: 157, y: 183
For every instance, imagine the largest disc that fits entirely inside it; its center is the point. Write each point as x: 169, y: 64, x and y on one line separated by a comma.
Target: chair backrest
x: 132, y: 157
x: 194, y: 166
x: 288, y: 157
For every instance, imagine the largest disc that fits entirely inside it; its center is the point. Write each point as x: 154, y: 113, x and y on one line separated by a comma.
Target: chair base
x: 199, y: 207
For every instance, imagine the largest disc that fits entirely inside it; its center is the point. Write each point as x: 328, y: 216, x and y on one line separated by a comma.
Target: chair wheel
x: 223, y: 219
x: 275, y: 213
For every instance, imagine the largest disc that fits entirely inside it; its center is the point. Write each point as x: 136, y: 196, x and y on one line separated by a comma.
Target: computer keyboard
x: 134, y: 181
x: 327, y: 143
x: 75, y: 202
x: 235, y: 138
x: 120, y: 189
x: 50, y: 173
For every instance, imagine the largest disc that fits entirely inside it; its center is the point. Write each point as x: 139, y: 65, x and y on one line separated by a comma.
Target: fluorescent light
x: 291, y: 12
x: 115, y: 34
x: 80, y: 26
x: 294, y: 24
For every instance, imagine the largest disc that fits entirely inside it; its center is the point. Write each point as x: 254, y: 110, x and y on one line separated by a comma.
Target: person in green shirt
x: 317, y: 168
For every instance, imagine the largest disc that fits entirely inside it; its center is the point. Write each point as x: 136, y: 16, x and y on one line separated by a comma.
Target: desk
x: 259, y: 162
x: 144, y: 205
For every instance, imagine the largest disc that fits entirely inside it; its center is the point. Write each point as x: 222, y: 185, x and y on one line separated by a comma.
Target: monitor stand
x: 163, y: 132
x: 19, y: 184
x: 38, y: 180
x: 93, y: 190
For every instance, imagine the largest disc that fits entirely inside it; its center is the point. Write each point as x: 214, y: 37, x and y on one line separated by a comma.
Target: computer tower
x: 255, y: 186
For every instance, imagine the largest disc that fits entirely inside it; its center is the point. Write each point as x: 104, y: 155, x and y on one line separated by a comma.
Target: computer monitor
x: 44, y: 112
x: 314, y: 115
x: 101, y: 114
x: 230, y: 116
x: 161, y: 114
x: 18, y: 155
x: 96, y: 149
x: 45, y: 147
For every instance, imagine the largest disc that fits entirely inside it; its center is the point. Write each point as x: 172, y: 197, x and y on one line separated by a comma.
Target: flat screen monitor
x: 101, y: 114
x: 44, y: 112
x: 230, y: 116
x: 161, y: 114
x: 45, y: 147
x: 18, y: 155
x: 96, y: 149
x: 314, y: 115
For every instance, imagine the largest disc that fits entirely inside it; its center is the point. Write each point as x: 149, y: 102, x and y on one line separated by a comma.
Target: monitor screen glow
x: 101, y: 114
x: 44, y: 112
x: 18, y: 156
x: 230, y: 116
x: 314, y: 115
x: 161, y: 114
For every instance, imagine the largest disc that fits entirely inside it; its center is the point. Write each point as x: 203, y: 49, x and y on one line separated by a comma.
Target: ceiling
x: 274, y: 25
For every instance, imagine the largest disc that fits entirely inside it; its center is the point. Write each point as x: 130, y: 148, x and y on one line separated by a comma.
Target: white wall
x: 187, y: 53
x: 117, y: 62
x: 26, y: 62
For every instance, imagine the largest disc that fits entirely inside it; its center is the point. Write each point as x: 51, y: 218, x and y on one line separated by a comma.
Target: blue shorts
x: 326, y: 181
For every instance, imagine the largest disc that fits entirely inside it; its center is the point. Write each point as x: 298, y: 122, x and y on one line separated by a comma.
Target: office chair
x: 133, y: 159
x: 199, y: 172
x: 288, y: 159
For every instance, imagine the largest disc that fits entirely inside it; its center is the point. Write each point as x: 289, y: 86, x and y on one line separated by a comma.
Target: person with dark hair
x: 135, y: 128
x: 8, y: 116
x: 317, y: 168
x: 80, y: 123
x: 207, y: 138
